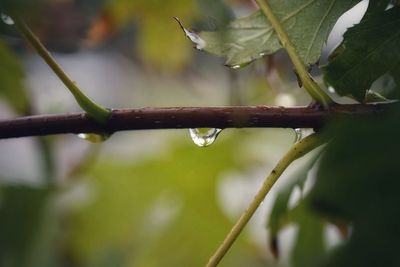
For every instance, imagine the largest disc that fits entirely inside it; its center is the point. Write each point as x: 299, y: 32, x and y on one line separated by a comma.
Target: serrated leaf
x: 307, y: 22
x: 11, y: 80
x: 370, y: 49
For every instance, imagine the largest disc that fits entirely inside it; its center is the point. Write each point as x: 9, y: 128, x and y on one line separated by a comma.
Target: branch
x: 185, y: 117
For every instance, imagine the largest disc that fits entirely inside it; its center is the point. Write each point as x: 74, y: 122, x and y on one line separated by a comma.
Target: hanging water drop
x: 204, y: 136
x: 235, y: 67
x: 299, y: 134
x: 6, y: 19
x: 331, y: 90
x: 94, y: 138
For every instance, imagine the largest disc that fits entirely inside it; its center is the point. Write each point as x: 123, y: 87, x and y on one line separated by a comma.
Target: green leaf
x: 358, y: 181
x: 11, y: 80
x: 370, y: 49
x: 307, y: 22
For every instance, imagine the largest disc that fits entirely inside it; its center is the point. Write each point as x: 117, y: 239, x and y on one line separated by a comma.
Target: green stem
x: 296, y: 151
x: 98, y: 113
x: 309, y: 84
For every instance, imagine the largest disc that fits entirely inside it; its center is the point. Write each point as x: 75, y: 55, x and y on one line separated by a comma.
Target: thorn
x: 315, y: 105
x: 299, y: 82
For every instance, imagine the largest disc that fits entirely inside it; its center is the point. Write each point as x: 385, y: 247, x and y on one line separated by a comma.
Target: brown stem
x: 184, y: 117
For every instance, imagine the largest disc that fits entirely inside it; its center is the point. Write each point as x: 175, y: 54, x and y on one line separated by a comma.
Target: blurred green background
x: 145, y: 198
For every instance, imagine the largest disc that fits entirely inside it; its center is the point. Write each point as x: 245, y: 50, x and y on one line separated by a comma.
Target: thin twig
x: 96, y: 111
x: 298, y: 150
x: 185, y: 117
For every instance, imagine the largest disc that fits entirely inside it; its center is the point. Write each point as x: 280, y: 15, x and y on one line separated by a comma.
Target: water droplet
x: 235, y: 67
x: 204, y: 136
x: 94, y: 138
x: 331, y: 90
x: 6, y: 19
x: 299, y: 134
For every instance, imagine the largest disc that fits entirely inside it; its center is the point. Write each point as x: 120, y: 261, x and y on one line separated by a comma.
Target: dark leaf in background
x: 309, y: 247
x: 375, y: 6
x: 358, y: 181
x: 370, y: 49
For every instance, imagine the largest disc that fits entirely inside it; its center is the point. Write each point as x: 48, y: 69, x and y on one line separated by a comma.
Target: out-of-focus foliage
x: 159, y: 211
x: 358, y: 182
x: 370, y: 49
x: 11, y: 80
x: 25, y: 7
x: 22, y: 225
x: 249, y: 38
x: 160, y: 42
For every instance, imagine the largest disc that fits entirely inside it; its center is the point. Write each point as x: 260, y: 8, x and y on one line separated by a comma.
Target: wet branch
x: 184, y: 117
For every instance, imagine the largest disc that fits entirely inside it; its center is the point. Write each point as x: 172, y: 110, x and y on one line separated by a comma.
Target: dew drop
x: 6, y: 19
x: 204, y: 136
x: 238, y: 66
x: 94, y: 138
x: 331, y: 90
x: 299, y: 134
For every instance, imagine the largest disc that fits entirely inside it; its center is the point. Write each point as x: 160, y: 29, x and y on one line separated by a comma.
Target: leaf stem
x: 310, y: 85
x: 95, y: 111
x: 298, y: 150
